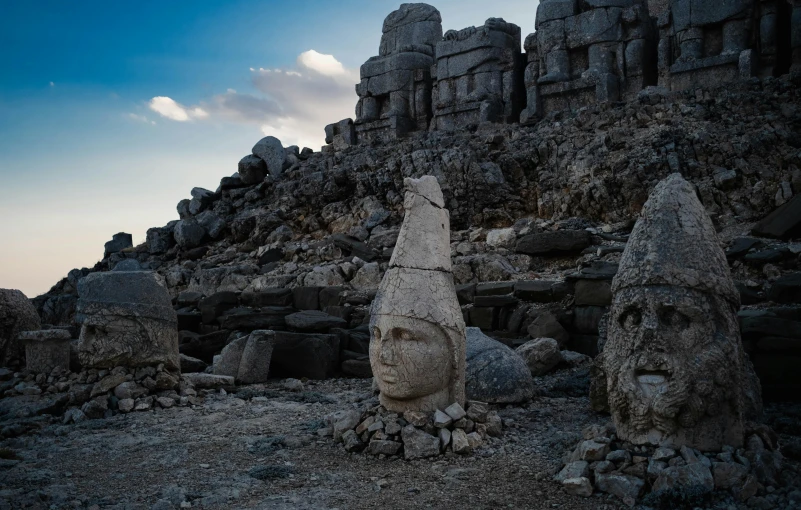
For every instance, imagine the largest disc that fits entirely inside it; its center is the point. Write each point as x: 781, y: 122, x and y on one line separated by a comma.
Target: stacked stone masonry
x: 582, y: 53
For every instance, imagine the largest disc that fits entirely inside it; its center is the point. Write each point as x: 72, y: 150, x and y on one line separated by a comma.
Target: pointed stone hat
x: 419, y: 283
x: 674, y: 243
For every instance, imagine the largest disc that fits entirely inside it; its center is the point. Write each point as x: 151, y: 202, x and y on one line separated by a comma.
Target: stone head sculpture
x: 676, y: 373
x: 126, y: 319
x: 417, y: 349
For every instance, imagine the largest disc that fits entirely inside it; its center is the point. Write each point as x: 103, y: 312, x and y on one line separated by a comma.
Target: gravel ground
x: 258, y: 448
x: 205, y: 457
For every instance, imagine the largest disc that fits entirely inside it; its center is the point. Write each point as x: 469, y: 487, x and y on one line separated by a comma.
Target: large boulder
x: 17, y: 314
x: 252, y: 169
x: 126, y: 319
x: 541, y: 355
x: 495, y: 373
x: 301, y: 355
x: 189, y: 234
x: 270, y: 150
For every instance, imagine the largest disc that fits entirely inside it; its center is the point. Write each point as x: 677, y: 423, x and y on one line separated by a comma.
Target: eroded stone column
x: 417, y: 350
x: 676, y: 373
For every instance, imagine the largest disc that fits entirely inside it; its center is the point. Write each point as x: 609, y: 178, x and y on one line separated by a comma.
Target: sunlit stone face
x: 410, y: 358
x: 671, y: 358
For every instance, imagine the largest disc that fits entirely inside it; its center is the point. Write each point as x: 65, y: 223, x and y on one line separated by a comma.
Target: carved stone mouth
x: 652, y: 382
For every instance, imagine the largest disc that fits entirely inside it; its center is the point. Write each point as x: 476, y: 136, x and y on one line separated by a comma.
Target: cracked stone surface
x: 417, y: 351
x: 676, y: 371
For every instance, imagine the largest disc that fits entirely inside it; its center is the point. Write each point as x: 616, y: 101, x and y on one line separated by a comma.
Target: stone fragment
x: 314, y: 320
x: 384, y: 447
x: 416, y: 418
x: 501, y: 238
x: 189, y: 234
x: 190, y: 364
x: 127, y: 319
x: 118, y: 243
x: 494, y: 424
x: 691, y: 475
x: 209, y: 381
x: 495, y: 373
x: 46, y: 350
x: 252, y: 169
x: 254, y: 365
x: 545, y: 325
x: 541, y: 355
x: 417, y: 351
x: 418, y: 444
x: 270, y: 150
x: 578, y: 487
x: 626, y: 487
x: 352, y: 442
x: 298, y: 355
x: 455, y: 411
x: 591, y: 451
x: 460, y: 443
x: 17, y: 315
x: 575, y: 469
x: 126, y: 405
x: 477, y: 411
x: 728, y: 475
x: 549, y: 243
x: 783, y: 223
x: 441, y: 420
x: 342, y: 421
x: 673, y: 277
x: 444, y: 438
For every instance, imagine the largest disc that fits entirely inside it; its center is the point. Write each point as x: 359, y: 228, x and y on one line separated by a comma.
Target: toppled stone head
x: 676, y: 373
x: 417, y: 350
x: 126, y: 319
x: 17, y: 314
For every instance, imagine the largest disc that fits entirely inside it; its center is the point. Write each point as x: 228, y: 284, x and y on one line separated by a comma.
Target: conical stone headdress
x: 674, y: 243
x: 419, y: 283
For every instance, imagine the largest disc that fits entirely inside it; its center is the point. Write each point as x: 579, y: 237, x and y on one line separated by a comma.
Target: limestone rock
x: 541, y: 355
x: 314, y: 320
x: 270, y: 150
x: 46, y: 350
x: 252, y: 169
x: 578, y: 486
x: 209, y: 381
x: 17, y: 314
x: 127, y: 319
x: 626, y: 487
x: 418, y: 444
x: 495, y: 373
x: 247, y: 359
x: 418, y: 348
x: 675, y: 377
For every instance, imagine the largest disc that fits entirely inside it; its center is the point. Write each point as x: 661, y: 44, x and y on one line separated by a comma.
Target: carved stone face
x: 673, y: 359
x: 410, y: 358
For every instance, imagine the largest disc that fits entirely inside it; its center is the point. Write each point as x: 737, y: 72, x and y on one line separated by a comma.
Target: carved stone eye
x: 630, y: 319
x: 670, y: 317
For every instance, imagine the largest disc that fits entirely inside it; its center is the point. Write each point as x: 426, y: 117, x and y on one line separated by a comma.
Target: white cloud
x: 168, y: 107
x: 140, y: 118
x: 294, y: 105
x: 52, y: 84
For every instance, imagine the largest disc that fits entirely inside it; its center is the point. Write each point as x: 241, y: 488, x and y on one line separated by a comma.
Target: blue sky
x: 110, y: 112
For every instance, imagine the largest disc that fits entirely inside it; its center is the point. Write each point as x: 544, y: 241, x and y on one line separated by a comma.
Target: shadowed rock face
x: 127, y: 319
x: 17, y: 314
x: 676, y: 372
x: 418, y: 348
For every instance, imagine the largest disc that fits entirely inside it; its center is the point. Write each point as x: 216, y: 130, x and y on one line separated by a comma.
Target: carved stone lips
x: 652, y: 382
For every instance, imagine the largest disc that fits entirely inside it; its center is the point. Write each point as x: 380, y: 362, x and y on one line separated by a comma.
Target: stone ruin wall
x: 582, y: 53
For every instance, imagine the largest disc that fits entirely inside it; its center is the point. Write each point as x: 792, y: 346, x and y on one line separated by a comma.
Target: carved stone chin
x: 417, y: 349
x: 676, y: 372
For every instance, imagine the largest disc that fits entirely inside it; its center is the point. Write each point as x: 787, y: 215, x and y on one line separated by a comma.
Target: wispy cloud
x: 169, y: 108
x: 140, y: 118
x: 294, y: 105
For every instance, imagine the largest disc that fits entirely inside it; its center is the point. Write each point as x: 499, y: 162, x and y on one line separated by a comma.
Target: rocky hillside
x: 552, y: 202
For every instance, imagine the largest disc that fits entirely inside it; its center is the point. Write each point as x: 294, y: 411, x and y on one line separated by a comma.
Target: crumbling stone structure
x: 126, y: 319
x: 703, y: 43
x: 588, y: 51
x: 395, y: 89
x: 479, y: 76
x: 17, y: 314
x: 46, y: 350
x: 417, y: 351
x: 676, y: 372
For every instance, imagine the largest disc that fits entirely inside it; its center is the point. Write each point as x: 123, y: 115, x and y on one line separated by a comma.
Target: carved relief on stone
x: 417, y: 349
x: 676, y: 373
x: 395, y: 88
x: 479, y: 76
x: 127, y: 319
